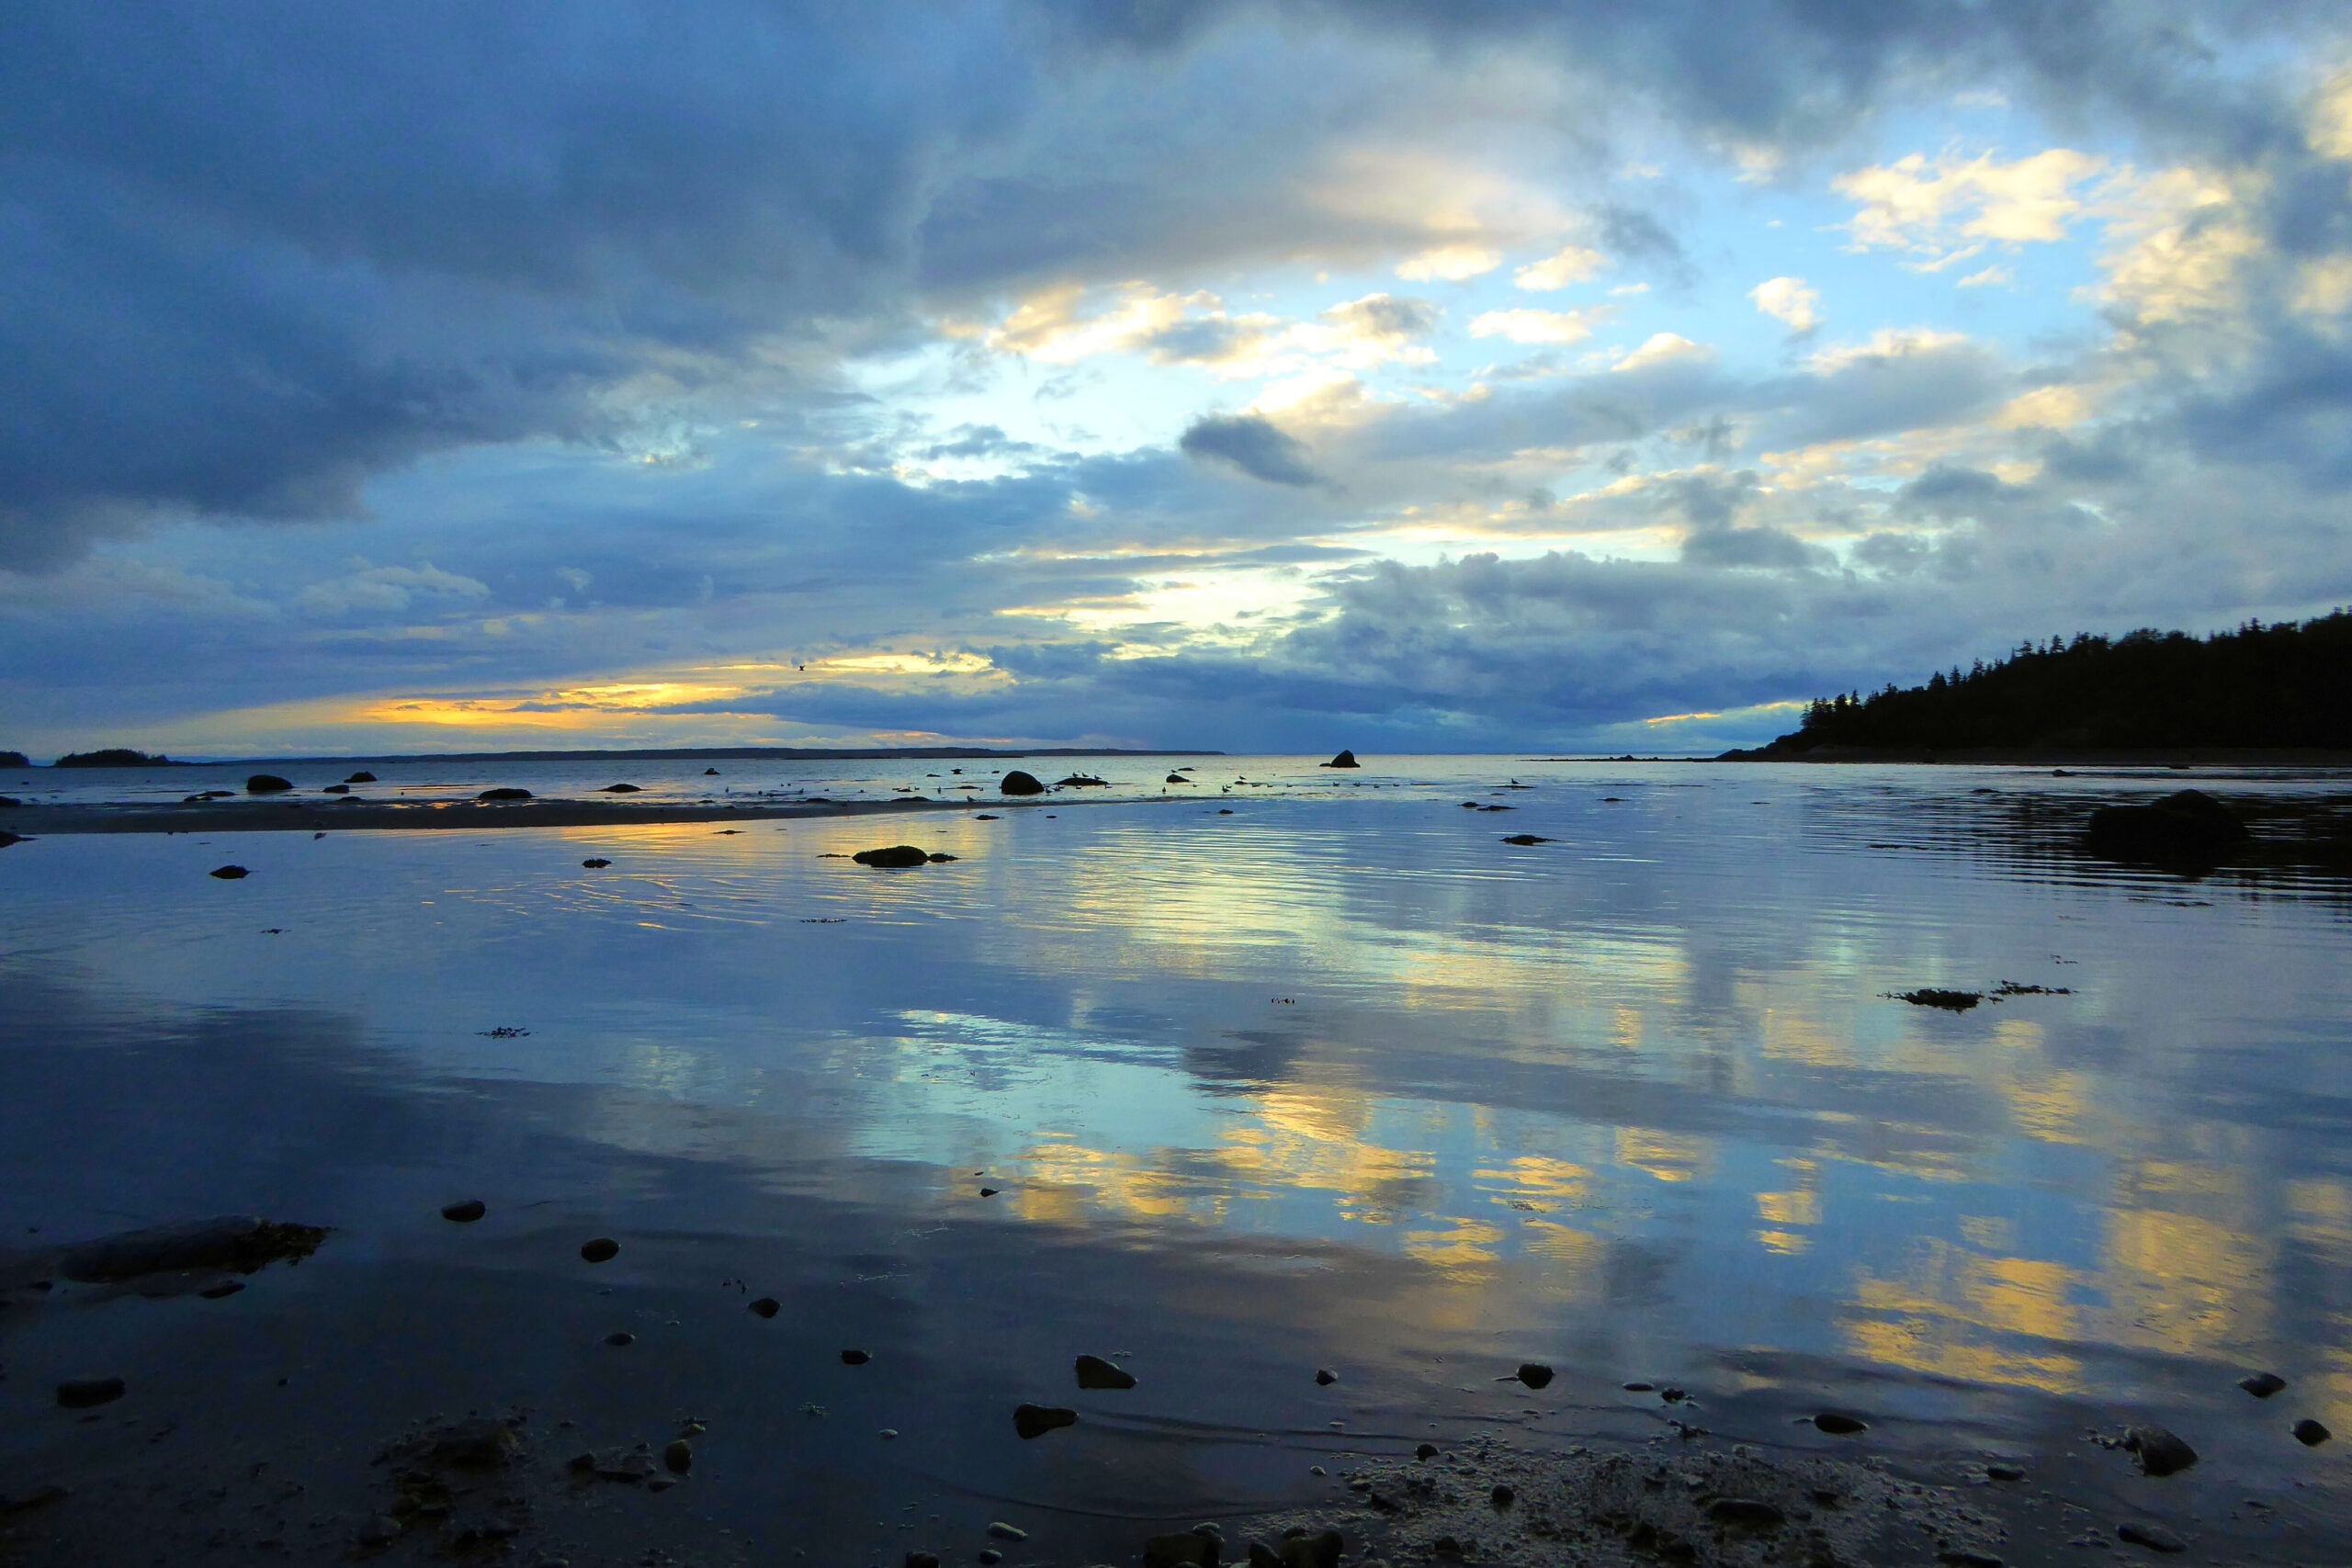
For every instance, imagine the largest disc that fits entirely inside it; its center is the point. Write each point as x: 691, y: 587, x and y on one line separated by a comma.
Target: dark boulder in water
x: 596, y: 862
x: 267, y: 783
x: 505, y: 794
x: 81, y: 1393
x: 603, y: 1249
x: 1840, y: 1425
x: 1037, y: 1420
x: 362, y: 776
x: 2158, y: 1450
x: 1534, y: 1374
x: 766, y: 1306
x: 1078, y: 781
x: 1178, y: 778
x: 229, y: 873
x: 1524, y: 839
x: 2262, y: 1385
x: 1018, y: 782
x: 467, y: 1213
x: 618, y: 789
x: 894, y: 855
x: 336, y: 789
x: 1344, y: 759
x: 711, y: 772
x: 1093, y: 1372
x: 2311, y: 1433
x: 2187, y: 825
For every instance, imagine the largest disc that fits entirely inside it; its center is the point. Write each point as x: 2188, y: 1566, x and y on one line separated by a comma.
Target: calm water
x: 1338, y: 1079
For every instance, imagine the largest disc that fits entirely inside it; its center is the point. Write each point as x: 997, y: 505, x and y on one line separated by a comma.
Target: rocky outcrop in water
x: 1018, y: 782
x: 2187, y: 825
x: 1344, y: 759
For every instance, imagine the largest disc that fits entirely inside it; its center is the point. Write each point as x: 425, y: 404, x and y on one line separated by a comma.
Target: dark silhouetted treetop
x: 2285, y: 685
x: 114, y: 756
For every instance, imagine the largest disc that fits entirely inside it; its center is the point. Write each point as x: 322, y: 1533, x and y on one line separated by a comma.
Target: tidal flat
x: 1303, y: 1099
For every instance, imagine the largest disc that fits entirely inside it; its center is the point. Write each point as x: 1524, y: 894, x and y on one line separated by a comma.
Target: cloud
x: 1537, y: 326
x: 1570, y: 263
x: 1450, y: 263
x: 1664, y: 348
x: 1253, y: 443
x: 393, y: 590
x: 1944, y: 210
x: 1788, y: 299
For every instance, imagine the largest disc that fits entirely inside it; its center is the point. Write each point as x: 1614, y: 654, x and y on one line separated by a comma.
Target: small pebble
x: 990, y: 1555
x: 989, y: 1191
x: 2262, y: 1385
x: 1316, y: 1469
x: 679, y: 1457
x: 854, y: 1358
x: 597, y: 865
x: 1037, y: 1420
x: 1640, y: 1387
x: 1003, y: 1531
x: 1326, y: 1376
x: 887, y: 1433
x: 921, y: 1560
x: 467, y: 1213
x: 603, y: 1249
x: 2155, y: 1538
x: 2004, y: 1471
x: 2311, y: 1433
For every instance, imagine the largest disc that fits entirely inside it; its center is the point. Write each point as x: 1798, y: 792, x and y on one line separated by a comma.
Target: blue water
x: 1339, y: 1079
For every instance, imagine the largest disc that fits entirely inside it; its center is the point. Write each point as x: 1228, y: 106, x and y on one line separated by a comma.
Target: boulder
x: 894, y: 855
x: 1344, y: 759
x: 1037, y: 1420
x: 1077, y: 780
x: 336, y: 789
x: 229, y: 873
x: 2187, y: 825
x: 1018, y: 782
x: 266, y: 783
x: 1178, y: 778
x: 2158, y: 1450
x: 508, y: 793
x: 1093, y: 1372
x: 362, y: 776
x: 618, y: 789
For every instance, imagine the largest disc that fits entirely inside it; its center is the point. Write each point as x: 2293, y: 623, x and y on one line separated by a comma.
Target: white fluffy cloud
x: 1788, y: 299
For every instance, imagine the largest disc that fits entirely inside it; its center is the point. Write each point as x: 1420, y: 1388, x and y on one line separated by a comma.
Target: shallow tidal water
x: 1337, y: 1080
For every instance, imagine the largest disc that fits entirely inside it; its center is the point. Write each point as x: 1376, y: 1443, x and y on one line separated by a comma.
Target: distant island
x: 2274, y: 689
x: 124, y: 757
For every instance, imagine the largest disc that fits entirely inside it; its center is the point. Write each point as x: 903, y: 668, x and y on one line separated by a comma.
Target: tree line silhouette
x: 2284, y: 685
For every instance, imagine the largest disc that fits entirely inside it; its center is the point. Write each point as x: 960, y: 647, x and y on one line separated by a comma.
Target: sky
x: 1401, y: 375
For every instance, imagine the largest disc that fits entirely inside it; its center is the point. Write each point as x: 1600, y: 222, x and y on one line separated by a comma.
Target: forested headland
x: 2257, y: 688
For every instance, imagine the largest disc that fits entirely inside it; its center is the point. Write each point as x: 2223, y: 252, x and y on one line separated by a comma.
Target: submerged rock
x: 1930, y: 997
x: 82, y: 1393
x: 855, y: 1358
x: 229, y: 873
x: 594, y: 863
x: 1037, y: 1420
x: 894, y: 855
x: 766, y: 1306
x: 266, y: 783
x: 363, y: 776
x: 679, y: 1457
x: 1830, y: 1421
x: 1344, y: 759
x: 1326, y: 1376
x: 505, y: 794
x: 336, y: 789
x: 467, y: 1213
x: 2262, y: 1385
x: 237, y: 1243
x: 1018, y: 782
x: 619, y: 789
x: 1523, y: 839
x: 2187, y: 825
x: 1093, y: 1372
x: 603, y: 1250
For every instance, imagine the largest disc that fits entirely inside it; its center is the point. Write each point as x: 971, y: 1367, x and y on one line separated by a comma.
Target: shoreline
x: 2056, y: 756
x: 291, y: 816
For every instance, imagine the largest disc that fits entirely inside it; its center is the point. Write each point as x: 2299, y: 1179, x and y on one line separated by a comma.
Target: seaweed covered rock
x: 893, y: 855
x: 2187, y: 825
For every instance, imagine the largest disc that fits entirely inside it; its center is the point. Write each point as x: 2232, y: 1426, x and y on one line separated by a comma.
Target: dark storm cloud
x: 1253, y: 443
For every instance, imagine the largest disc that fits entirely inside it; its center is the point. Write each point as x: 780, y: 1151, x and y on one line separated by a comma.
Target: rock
x: 2004, y: 1471
x: 1093, y: 1372
x: 766, y: 1306
x: 985, y: 817
x: 594, y: 863
x: 988, y: 1556
x: 1344, y: 759
x: 1018, y: 782
x: 1185, y: 1548
x: 336, y: 789
x: 1839, y: 1426
x: 620, y: 1337
x: 2187, y: 825
x: 679, y: 1457
x: 267, y: 783
x: 895, y: 855
x: 991, y: 1192
x: 1263, y: 1556
x: 82, y: 1393
x: 1326, y: 1376
x: 1534, y: 1374
x: 1177, y: 778
x: 1948, y: 1001
x: 855, y: 1358
x: 230, y: 873
x: 2155, y: 1538
x: 1318, y: 1550
x: 1526, y: 839
x: 619, y: 789
x: 1003, y: 1531
x: 1746, y: 1513
x: 1502, y: 1496
x: 2262, y: 1385
x: 2311, y: 1433
x: 921, y: 1560
x: 1080, y: 780
x: 238, y: 1243
x: 603, y: 1250
x: 937, y: 858
x: 2160, y: 1452
x: 1037, y: 1420
x: 507, y: 794
x: 1427, y: 1450
x: 467, y: 1213
x: 363, y: 776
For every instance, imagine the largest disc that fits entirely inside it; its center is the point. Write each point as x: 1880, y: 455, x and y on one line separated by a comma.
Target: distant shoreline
x: 668, y: 754
x: 2058, y: 757
x: 271, y: 816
